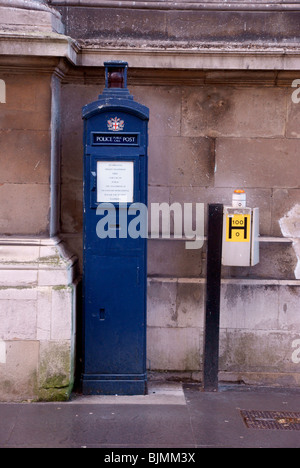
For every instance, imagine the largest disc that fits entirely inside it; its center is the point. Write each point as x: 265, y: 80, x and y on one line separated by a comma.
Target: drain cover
x: 285, y: 420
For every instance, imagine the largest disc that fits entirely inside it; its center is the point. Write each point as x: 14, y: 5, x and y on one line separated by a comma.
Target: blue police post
x: 115, y: 264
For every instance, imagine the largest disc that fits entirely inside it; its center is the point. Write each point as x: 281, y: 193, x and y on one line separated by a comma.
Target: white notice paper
x: 115, y: 181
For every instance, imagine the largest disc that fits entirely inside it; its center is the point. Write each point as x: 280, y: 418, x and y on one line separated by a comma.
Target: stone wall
x: 37, y: 274
x: 207, y: 139
x: 217, y: 80
x: 37, y: 319
x: 180, y: 21
x: 259, y: 337
x: 25, y: 141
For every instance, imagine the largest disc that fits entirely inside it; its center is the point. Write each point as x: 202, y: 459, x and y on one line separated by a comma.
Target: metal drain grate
x: 285, y: 420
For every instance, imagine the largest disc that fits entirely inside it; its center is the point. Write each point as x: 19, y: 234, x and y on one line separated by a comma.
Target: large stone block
x: 164, y: 103
x: 263, y: 162
x: 175, y: 161
x: 18, y: 318
x: 61, y: 319
x: 18, y: 374
x: 24, y: 208
x: 227, y: 111
x: 108, y: 22
x: 28, y: 102
x: 250, y: 307
x: 173, y: 348
x: 161, y: 304
x: 258, y: 351
x: 157, y: 195
x: 55, y: 379
x: 25, y: 157
x: 289, y: 300
x: 231, y: 26
x: 190, y: 303
x: 171, y: 258
x: 175, y: 303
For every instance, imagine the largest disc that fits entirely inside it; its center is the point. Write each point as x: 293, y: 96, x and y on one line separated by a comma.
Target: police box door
x: 115, y: 265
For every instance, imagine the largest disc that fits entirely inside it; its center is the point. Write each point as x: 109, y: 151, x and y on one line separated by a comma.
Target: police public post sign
x: 107, y: 139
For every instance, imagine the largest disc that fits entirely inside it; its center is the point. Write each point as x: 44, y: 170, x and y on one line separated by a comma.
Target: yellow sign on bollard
x: 238, y: 227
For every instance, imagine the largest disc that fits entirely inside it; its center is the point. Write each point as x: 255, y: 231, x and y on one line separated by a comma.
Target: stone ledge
x: 197, y: 57
x: 26, y: 15
x: 149, y: 55
x: 236, y: 281
x: 47, y: 44
x: 174, y: 25
x: 39, y: 5
x: 260, y: 379
x: 273, y: 379
x: 36, y: 262
x: 262, y: 5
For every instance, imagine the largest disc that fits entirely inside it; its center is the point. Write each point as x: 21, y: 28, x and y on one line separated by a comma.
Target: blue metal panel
x: 115, y: 267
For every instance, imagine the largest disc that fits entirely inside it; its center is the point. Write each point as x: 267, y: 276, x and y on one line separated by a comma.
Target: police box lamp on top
x: 116, y: 74
x: 116, y: 79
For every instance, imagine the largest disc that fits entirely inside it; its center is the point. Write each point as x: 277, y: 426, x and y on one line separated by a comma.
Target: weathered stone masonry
x: 218, y: 83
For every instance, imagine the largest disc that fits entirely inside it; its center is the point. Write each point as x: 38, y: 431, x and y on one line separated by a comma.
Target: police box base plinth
x: 115, y: 385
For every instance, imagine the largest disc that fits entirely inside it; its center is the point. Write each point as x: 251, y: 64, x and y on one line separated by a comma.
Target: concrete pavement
x: 171, y: 416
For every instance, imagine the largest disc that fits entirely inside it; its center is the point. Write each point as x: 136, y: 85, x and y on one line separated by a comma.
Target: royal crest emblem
x: 115, y: 124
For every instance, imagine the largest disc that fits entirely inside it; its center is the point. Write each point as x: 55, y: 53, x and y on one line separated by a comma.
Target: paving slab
x: 217, y: 421
x: 172, y: 416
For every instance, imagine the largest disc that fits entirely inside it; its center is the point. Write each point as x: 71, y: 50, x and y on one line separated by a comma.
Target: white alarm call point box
x: 240, y: 245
